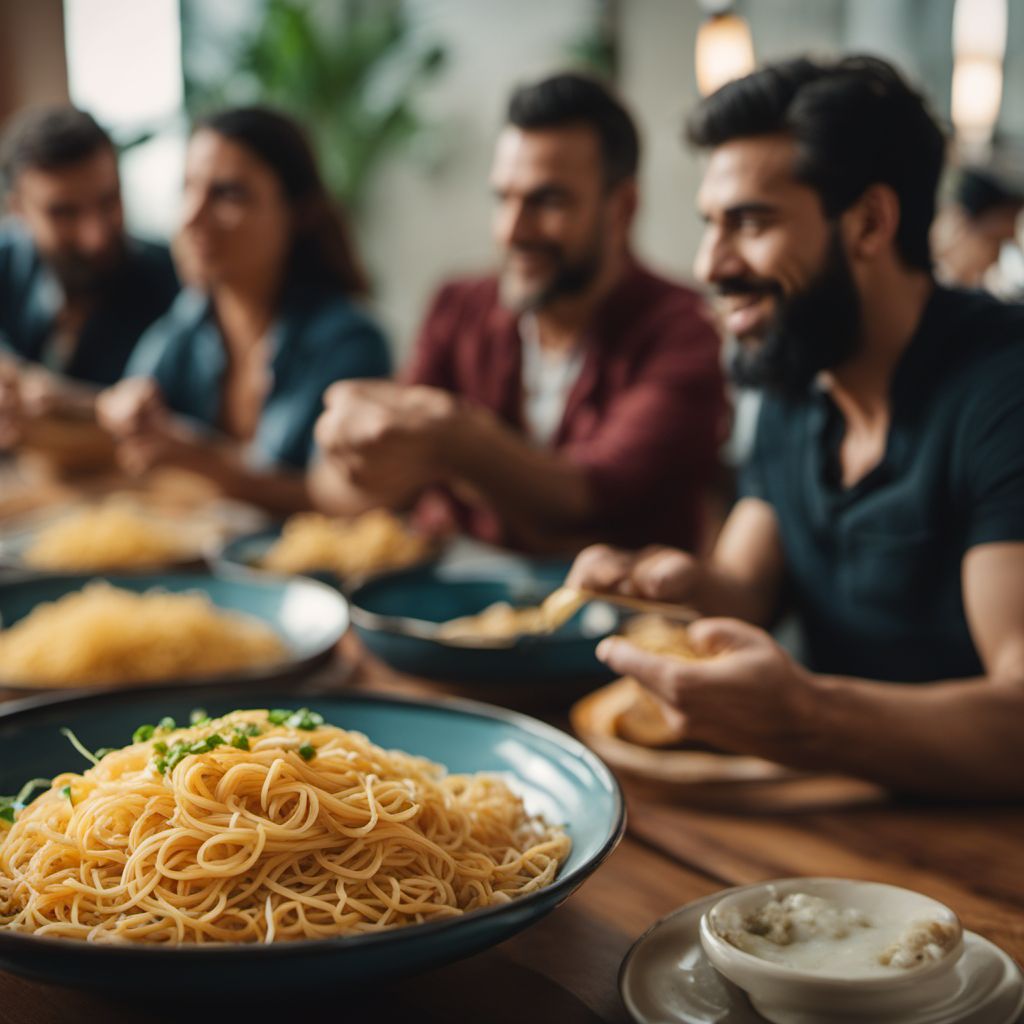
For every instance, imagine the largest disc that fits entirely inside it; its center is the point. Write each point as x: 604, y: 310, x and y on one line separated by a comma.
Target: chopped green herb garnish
x: 160, y: 747
x: 279, y: 716
x: 79, y: 745
x: 167, y: 723
x: 66, y: 791
x: 10, y: 804
x: 203, y: 746
x: 305, y: 719
x: 249, y: 728
x: 307, y: 751
x: 143, y: 733
x: 240, y: 740
x: 198, y: 716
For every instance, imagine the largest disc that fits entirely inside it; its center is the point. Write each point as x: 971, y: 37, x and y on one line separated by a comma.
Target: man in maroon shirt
x: 574, y: 396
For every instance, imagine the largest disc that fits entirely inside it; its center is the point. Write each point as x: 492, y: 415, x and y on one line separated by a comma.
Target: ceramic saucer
x: 666, y: 979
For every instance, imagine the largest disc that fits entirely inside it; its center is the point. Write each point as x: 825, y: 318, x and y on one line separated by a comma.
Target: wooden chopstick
x: 680, y: 612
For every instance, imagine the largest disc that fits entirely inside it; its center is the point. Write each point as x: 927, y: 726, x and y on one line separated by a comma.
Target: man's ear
x: 627, y: 201
x: 869, y: 226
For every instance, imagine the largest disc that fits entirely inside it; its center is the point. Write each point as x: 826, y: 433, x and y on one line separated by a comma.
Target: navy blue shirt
x: 318, y: 338
x: 873, y: 570
x: 138, y: 292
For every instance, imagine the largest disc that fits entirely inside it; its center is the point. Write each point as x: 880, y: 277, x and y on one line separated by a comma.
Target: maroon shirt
x: 645, y: 417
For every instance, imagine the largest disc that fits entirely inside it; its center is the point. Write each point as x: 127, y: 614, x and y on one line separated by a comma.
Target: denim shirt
x: 317, y: 338
x: 139, y: 291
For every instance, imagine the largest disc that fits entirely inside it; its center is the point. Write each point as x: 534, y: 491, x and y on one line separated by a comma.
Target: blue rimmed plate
x: 395, y: 615
x: 310, y: 617
x: 555, y: 774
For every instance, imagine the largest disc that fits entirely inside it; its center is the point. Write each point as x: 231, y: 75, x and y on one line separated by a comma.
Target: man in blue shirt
x: 75, y: 291
x: 884, y: 502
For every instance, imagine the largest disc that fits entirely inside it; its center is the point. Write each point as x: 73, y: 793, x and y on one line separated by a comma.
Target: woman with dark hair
x: 230, y: 382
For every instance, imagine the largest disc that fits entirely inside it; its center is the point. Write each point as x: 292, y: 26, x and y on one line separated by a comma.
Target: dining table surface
x: 683, y: 842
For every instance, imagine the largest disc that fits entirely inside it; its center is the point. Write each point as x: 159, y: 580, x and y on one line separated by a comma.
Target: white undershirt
x: 548, y: 380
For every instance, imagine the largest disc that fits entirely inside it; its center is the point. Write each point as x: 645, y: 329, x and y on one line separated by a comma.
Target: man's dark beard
x: 82, y: 275
x: 570, y: 277
x: 818, y: 328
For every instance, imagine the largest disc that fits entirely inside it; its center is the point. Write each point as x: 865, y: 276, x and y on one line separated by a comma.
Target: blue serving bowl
x: 308, y: 616
x: 556, y: 775
x: 393, y: 613
x: 249, y: 550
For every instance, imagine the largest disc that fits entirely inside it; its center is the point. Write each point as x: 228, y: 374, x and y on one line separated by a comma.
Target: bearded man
x: 76, y: 291
x: 884, y: 501
x: 573, y: 397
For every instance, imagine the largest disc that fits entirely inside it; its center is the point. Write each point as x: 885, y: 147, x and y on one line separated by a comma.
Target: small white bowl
x: 785, y: 994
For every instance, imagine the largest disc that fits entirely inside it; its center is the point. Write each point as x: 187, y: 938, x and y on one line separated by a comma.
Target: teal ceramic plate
x: 249, y: 551
x: 555, y: 774
x: 310, y: 617
x: 387, y: 609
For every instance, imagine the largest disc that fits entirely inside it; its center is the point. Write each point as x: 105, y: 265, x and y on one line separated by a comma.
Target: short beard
x: 81, y: 275
x: 569, y: 279
x: 818, y: 328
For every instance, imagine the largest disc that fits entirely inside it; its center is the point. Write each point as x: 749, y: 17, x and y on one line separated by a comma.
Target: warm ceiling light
x: 979, y: 45
x: 725, y: 51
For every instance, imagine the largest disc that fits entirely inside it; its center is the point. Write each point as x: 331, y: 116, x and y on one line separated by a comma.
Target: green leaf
x: 307, y: 751
x: 143, y: 733
x: 305, y: 719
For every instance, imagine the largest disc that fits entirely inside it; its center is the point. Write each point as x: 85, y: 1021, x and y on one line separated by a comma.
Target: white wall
x: 421, y: 228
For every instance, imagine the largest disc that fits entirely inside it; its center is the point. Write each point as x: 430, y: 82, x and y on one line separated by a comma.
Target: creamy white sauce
x: 814, y: 934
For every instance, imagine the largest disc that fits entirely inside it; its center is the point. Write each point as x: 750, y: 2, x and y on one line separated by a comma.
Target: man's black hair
x: 855, y: 122
x: 979, y: 191
x: 572, y: 99
x: 49, y: 139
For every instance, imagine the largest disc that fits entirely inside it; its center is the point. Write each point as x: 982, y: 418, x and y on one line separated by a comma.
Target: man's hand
x: 745, y: 695
x: 658, y: 573
x: 385, y: 434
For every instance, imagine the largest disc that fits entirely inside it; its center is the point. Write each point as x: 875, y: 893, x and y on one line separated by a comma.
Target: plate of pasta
x: 459, y: 625
x: 330, y: 845
x: 117, y: 534
x: 338, y: 550
x: 121, y: 631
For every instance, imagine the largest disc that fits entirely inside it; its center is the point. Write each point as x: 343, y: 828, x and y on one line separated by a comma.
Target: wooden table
x: 679, y: 847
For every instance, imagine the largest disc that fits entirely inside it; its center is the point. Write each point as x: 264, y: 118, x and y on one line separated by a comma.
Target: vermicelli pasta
x: 371, y: 542
x: 312, y: 831
x: 104, y: 634
x: 109, y: 536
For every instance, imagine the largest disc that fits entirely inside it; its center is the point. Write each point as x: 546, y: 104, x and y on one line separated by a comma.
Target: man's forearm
x: 533, y: 490
x: 957, y: 739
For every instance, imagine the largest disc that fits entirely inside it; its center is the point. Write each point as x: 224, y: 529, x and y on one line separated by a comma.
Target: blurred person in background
x: 230, y: 382
x: 884, y: 501
x: 76, y: 291
x: 971, y: 232
x: 574, y: 396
